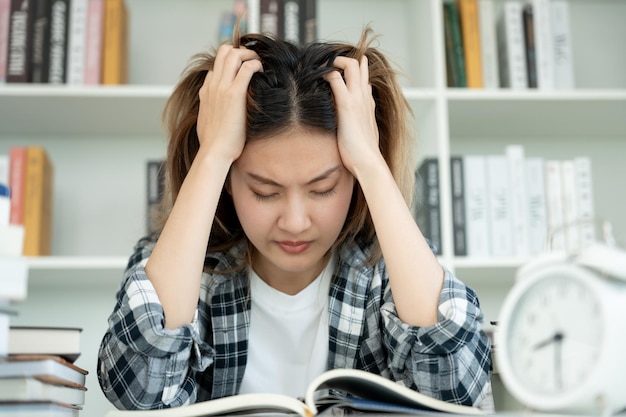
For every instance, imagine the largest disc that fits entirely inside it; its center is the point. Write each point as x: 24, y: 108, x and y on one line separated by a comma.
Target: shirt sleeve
x: 141, y: 364
x: 450, y: 360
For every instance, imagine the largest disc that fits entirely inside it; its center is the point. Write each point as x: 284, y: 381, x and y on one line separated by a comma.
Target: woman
x: 288, y: 247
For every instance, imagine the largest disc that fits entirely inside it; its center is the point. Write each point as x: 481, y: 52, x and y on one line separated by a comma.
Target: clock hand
x: 557, y: 337
x: 558, y: 348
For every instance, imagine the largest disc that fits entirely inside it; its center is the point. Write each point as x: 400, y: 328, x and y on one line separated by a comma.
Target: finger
x: 337, y: 84
x: 235, y: 59
x: 247, y: 70
x: 220, y: 56
x: 364, y: 72
x: 351, y: 71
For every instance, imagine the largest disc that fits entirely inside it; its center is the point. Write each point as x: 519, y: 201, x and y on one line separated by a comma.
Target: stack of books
x: 38, y: 377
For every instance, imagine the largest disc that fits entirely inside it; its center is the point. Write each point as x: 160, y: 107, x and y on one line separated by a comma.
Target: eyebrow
x: 263, y: 180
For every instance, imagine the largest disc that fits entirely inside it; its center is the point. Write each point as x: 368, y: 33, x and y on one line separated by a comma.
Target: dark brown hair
x: 291, y: 92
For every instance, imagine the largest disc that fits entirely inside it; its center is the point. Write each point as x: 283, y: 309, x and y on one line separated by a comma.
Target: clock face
x: 555, y: 334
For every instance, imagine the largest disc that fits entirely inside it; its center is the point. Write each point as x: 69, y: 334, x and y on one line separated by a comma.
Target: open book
x: 361, y: 391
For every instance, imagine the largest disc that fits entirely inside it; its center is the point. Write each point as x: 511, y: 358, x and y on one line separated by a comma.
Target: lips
x: 294, y: 247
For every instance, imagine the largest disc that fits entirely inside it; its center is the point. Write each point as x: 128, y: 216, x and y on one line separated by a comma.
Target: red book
x: 17, y: 182
x: 94, y: 42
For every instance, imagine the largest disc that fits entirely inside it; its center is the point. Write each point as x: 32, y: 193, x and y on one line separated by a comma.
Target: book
x: 292, y: 16
x: 17, y: 183
x: 253, y: 16
x: 309, y: 21
x: 59, y: 18
x: 569, y: 195
x: 5, y: 324
x: 488, y: 43
x: 38, y: 409
x: 115, y: 43
x: 46, y: 368
x: 470, y: 33
x: 4, y: 169
x: 455, y: 61
x: 38, y: 202
x: 586, y: 215
x: 40, y: 38
x: 536, y: 202
x: 13, y: 279
x: 155, y: 188
x: 428, y: 210
x: 76, y: 41
x: 361, y: 391
x: 5, y: 9
x: 93, y: 42
x: 499, y: 210
x: 271, y: 19
x: 517, y: 162
x: 31, y: 389
x: 554, y: 205
x: 458, y: 206
x: 476, y: 220
x: 543, y: 42
x: 528, y: 23
x: 562, y: 44
x: 41, y: 340
x: 511, y: 50
x: 21, y: 18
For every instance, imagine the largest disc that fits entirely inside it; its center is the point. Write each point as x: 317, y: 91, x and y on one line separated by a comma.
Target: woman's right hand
x: 221, y: 123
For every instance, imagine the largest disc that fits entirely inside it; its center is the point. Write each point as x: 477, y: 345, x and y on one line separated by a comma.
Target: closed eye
x: 326, y: 193
x: 264, y: 197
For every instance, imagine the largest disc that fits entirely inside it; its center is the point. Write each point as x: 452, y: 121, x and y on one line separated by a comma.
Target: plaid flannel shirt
x: 142, y: 365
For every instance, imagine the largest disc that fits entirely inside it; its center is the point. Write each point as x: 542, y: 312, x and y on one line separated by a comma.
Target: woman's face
x: 292, y: 195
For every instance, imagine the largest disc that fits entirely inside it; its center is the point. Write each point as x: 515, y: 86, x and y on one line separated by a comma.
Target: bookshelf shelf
x: 65, y: 263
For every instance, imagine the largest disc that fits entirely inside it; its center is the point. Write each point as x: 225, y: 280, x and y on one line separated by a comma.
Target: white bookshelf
x: 99, y: 139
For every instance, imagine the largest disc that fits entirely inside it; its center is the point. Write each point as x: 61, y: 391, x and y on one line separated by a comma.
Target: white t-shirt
x: 288, y: 340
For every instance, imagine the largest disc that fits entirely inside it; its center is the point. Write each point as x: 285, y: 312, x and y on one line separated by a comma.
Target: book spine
x: 17, y: 183
x: 20, y: 32
x: 584, y: 185
x: 114, y: 45
x: 5, y: 11
x: 477, y: 224
x: 58, y: 41
x: 40, y: 38
x: 458, y: 206
x: 511, y: 50
x: 554, y: 204
x: 428, y: 210
x: 468, y: 11
x: 93, y: 42
x: 529, y: 41
x: 488, y: 43
x: 536, y: 201
x: 570, y: 206
x: 77, y: 35
x: 544, y: 55
x: 156, y: 188
x: 292, y: 11
x: 499, y: 207
x: 253, y: 19
x: 562, y: 41
x: 310, y: 21
x: 37, y: 202
x: 271, y: 21
x: 516, y: 160
x: 458, y: 60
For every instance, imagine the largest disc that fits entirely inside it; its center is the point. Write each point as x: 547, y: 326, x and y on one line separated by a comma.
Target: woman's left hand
x: 357, y: 131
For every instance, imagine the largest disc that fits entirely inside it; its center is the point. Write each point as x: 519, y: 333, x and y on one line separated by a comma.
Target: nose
x: 294, y: 217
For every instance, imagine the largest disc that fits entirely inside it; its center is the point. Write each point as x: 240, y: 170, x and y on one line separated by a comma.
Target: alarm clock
x: 560, y: 343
